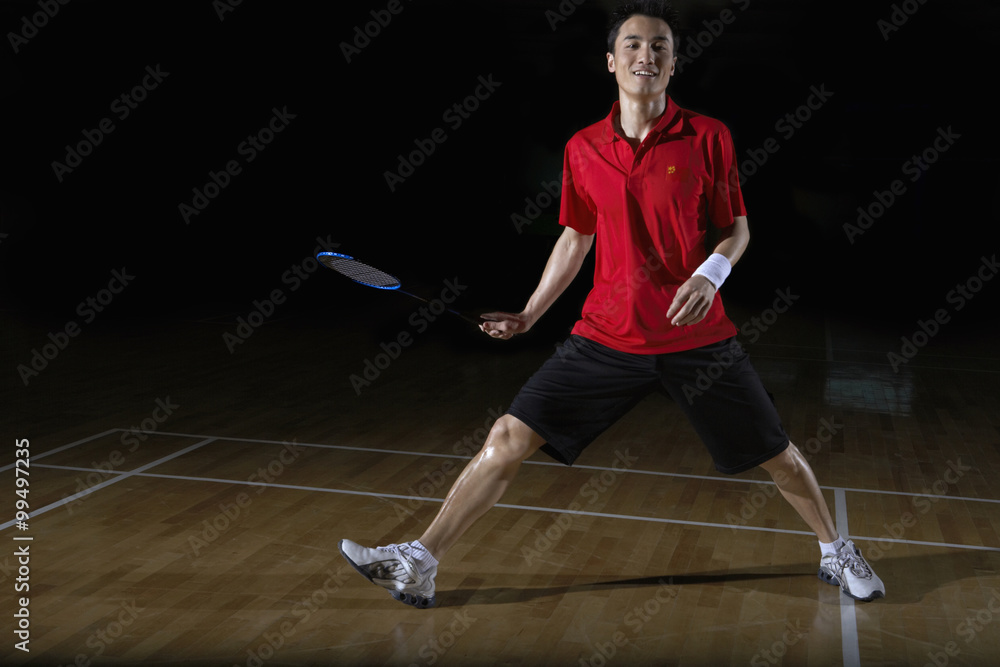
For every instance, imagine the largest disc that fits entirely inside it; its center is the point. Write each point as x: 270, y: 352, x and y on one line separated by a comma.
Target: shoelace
x: 858, y: 566
x: 393, y: 568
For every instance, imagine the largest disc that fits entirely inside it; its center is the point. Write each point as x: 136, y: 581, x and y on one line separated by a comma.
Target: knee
x: 506, y: 442
x: 785, y: 466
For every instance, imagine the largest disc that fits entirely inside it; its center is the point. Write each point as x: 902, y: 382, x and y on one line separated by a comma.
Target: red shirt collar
x: 671, y: 116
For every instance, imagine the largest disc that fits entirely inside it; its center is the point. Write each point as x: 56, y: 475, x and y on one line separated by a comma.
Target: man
x: 646, y: 182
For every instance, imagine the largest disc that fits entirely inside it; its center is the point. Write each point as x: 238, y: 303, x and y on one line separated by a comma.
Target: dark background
x: 323, y: 176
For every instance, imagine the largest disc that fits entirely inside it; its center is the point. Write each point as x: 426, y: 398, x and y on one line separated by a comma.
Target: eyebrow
x: 657, y: 38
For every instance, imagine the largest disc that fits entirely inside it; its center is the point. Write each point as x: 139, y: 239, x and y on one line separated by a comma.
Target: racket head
x: 357, y: 271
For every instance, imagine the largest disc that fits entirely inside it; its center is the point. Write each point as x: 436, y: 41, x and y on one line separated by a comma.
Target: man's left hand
x: 692, y: 301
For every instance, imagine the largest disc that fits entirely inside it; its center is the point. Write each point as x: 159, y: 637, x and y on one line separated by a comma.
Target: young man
x: 646, y: 182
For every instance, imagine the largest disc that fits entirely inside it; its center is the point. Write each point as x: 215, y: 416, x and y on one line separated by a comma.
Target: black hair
x: 654, y: 8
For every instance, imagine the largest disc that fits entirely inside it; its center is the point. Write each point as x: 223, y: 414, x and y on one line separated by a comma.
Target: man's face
x: 643, y: 61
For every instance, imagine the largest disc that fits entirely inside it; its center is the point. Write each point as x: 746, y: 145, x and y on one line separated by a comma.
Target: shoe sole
x: 828, y: 578
x: 418, y: 601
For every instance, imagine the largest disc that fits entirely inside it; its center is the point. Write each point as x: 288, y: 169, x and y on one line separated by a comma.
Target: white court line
x: 738, y: 480
x: 109, y: 482
x: 848, y: 614
x: 206, y: 439
x: 533, y: 508
x: 373, y: 494
x: 35, y: 457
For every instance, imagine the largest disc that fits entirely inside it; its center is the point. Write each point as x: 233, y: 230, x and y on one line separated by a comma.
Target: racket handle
x: 470, y: 320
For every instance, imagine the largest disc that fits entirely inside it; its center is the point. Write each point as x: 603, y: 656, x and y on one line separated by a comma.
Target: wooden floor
x: 187, y: 501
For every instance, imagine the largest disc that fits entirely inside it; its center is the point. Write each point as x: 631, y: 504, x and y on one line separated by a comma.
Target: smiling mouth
x: 644, y: 73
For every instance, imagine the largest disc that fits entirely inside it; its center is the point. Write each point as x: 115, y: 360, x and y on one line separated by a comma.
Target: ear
x: 611, y: 62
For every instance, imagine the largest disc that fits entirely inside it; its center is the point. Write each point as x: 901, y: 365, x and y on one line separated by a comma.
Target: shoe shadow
x: 756, y: 579
x: 908, y: 579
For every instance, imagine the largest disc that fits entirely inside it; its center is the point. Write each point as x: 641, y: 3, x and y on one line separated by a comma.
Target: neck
x: 639, y: 116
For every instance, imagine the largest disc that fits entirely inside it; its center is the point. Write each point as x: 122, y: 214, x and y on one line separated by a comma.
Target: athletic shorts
x: 585, y: 387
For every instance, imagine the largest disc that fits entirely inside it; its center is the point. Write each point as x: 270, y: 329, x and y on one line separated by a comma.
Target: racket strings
x: 360, y: 272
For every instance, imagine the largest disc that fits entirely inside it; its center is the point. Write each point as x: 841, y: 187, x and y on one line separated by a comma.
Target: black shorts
x: 585, y: 387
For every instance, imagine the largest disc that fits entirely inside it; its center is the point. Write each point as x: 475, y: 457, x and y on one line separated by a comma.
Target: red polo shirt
x: 650, y: 209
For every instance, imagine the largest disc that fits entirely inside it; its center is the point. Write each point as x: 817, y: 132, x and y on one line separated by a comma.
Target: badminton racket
x: 367, y: 275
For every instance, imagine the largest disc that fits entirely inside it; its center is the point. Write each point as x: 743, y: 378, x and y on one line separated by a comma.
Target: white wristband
x: 716, y: 268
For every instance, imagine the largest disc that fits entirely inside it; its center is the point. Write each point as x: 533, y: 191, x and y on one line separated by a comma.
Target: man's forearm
x: 560, y: 270
x: 734, y: 240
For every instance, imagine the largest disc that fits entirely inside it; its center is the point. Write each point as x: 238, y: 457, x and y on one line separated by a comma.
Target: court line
x: 848, y: 613
x: 35, y: 457
x: 125, y: 475
x: 374, y: 494
x: 554, y: 510
x: 739, y: 480
x: 206, y: 439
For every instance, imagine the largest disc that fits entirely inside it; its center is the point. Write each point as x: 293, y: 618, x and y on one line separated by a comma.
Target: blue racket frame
x: 391, y: 288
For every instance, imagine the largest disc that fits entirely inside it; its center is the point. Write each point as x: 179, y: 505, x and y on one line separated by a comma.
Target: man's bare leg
x: 482, y: 483
x: 408, y: 570
x: 797, y: 483
x: 842, y: 563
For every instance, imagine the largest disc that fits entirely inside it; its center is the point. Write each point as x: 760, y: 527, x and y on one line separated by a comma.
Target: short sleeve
x: 725, y: 200
x: 576, y: 209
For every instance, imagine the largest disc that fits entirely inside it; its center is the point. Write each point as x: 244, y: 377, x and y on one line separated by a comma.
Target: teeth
x: 645, y: 73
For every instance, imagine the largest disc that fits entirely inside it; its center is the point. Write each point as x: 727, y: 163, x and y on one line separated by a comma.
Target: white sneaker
x: 851, y: 571
x: 393, y: 567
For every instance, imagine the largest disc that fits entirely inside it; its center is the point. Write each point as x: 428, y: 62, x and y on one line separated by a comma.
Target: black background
x: 324, y: 175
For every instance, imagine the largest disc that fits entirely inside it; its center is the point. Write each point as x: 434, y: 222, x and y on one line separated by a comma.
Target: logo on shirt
x: 671, y: 169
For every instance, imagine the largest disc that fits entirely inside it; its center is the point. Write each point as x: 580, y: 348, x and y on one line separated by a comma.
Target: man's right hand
x: 505, y: 325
